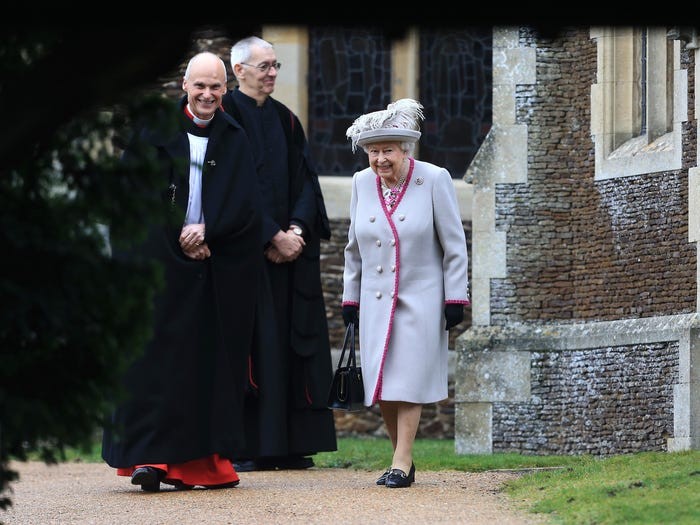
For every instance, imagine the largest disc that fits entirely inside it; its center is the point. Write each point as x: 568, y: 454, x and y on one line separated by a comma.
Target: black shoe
x: 179, y: 485
x: 397, y: 478
x: 295, y: 463
x: 381, y: 480
x: 228, y: 485
x: 245, y: 465
x: 284, y: 463
x: 148, y: 477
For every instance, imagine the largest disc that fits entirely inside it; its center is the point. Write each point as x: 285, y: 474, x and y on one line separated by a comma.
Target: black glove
x: 350, y: 314
x: 454, y: 314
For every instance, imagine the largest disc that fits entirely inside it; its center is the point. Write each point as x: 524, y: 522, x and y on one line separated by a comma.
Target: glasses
x: 265, y: 67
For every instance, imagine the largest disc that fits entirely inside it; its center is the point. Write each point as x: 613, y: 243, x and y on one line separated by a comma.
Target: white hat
x: 398, y: 122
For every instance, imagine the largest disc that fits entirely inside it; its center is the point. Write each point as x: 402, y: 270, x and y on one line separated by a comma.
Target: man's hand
x: 199, y: 253
x: 288, y: 245
x: 191, y: 236
x: 275, y: 256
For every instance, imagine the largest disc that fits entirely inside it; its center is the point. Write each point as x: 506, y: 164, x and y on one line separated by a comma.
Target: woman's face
x: 386, y: 159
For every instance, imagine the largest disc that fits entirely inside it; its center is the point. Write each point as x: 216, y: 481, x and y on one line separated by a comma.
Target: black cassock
x: 286, y: 412
x: 185, y: 394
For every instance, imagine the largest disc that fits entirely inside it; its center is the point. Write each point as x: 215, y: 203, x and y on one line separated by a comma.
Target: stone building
x: 576, y: 168
x: 584, y: 334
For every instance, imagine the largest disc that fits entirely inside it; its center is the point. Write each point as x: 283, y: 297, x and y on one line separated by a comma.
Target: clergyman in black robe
x: 182, y: 422
x: 287, y: 419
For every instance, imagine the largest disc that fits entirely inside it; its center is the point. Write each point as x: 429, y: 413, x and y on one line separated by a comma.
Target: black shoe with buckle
x: 381, y: 480
x: 148, y: 477
x: 397, y: 478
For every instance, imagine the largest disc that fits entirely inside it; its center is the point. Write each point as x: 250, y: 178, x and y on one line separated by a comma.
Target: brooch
x: 419, y: 181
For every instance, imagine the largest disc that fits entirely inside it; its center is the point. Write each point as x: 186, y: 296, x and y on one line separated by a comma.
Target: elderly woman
x: 405, y: 273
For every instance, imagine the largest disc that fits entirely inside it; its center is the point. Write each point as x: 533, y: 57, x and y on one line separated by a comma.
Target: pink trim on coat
x: 458, y: 301
x: 388, y: 213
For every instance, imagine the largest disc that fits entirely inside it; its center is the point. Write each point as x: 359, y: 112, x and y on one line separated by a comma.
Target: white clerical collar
x: 199, y: 121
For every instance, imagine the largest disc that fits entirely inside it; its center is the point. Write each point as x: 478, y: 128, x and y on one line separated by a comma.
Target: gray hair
x: 408, y: 147
x: 200, y: 55
x: 241, y: 50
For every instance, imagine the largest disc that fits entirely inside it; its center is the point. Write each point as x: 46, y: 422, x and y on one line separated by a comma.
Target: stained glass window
x: 455, y: 88
x: 349, y: 75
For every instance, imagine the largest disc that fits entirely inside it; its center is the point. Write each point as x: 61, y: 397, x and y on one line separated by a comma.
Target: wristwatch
x: 297, y: 230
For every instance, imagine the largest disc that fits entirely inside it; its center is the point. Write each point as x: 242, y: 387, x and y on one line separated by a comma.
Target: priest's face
x: 205, y: 86
x: 256, y: 78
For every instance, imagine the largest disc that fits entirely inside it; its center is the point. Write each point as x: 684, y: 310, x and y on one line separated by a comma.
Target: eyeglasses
x: 265, y: 67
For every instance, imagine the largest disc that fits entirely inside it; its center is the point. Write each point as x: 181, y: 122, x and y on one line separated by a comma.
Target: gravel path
x: 91, y: 493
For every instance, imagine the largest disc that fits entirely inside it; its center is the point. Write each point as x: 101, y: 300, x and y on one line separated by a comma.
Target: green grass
x: 648, y: 488
x: 429, y: 454
x: 645, y: 488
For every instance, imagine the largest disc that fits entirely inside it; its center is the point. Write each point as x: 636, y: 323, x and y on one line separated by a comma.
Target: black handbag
x: 347, y: 390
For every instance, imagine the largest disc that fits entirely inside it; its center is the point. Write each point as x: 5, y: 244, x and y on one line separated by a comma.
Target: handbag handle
x: 349, y: 337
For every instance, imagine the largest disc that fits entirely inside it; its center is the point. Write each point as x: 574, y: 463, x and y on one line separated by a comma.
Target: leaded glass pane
x: 349, y: 74
x: 455, y: 88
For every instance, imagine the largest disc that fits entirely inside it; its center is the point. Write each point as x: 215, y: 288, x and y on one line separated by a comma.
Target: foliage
x: 74, y: 314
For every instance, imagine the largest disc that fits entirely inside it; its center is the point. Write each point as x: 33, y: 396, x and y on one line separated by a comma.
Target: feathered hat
x: 399, y: 121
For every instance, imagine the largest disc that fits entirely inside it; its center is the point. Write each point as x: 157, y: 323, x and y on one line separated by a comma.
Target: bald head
x: 205, y: 59
x: 205, y: 84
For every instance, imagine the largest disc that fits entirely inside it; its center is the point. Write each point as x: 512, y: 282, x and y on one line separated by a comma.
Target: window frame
x: 622, y: 148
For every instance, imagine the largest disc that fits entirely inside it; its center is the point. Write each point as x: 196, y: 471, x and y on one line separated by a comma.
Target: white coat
x: 402, y: 266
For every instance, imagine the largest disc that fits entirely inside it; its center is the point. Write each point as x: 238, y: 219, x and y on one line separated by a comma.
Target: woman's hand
x: 454, y: 314
x: 350, y: 314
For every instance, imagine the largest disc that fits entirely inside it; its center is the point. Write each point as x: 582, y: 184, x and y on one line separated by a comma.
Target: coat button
x: 392, y: 294
x: 393, y: 268
x: 378, y: 295
x: 402, y: 217
x: 392, y: 242
x: 380, y: 269
x: 372, y: 218
x: 379, y: 243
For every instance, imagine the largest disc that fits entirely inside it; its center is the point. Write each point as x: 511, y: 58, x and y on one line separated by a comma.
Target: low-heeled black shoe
x: 397, y: 478
x: 381, y: 480
x: 148, y: 477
